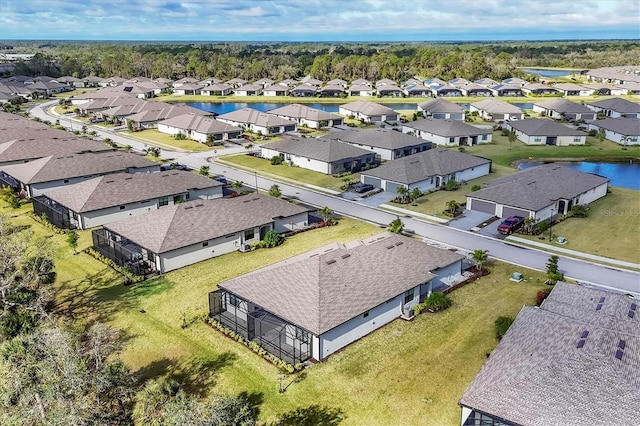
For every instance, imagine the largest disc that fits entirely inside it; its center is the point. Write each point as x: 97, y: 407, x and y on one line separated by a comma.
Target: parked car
x: 363, y: 187
x: 221, y: 179
x: 510, y: 225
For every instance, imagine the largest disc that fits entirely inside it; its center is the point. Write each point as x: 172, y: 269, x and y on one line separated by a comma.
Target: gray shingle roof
x: 125, y: 188
x: 53, y: 168
x: 368, y: 108
x: 623, y: 126
x: 181, y: 225
x: 326, y: 150
x: 537, y: 375
x: 496, y: 106
x: 376, y: 137
x: 200, y: 124
x: 563, y: 106
x: 617, y: 104
x: 297, y: 111
x: 324, y: 288
x: 258, y: 118
x: 440, y: 105
x: 538, y: 187
x: 38, y: 147
x: 420, y: 166
x: 543, y: 127
x: 569, y: 87
x: 447, y: 128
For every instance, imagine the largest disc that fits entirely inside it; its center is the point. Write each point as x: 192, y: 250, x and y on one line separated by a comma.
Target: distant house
x: 388, y: 144
x: 604, y: 89
x: 539, y: 192
x: 446, y: 91
x: 210, y: 81
x: 497, y: 110
x: 236, y: 82
x: 369, y: 112
x: 43, y: 174
x: 337, y: 82
x: 264, y: 82
x: 326, y: 156
x: 307, y: 116
x: 385, y: 82
x: 630, y: 88
x: 182, y: 234
x: 248, y: 90
x: 486, y: 82
x: 581, y: 368
x: 389, y: 90
x: 217, y: 89
x: 625, y: 131
x: 538, y: 89
x: 540, y: 131
x: 563, y: 109
x: 503, y: 89
x: 258, y: 121
x: 304, y: 91
x: 345, y: 291
x: 615, y: 108
x: 473, y: 89
x: 515, y: 81
x: 185, y: 80
x: 448, y: 132
x: 115, y: 197
x: 427, y: 170
x: 572, y: 89
x: 441, y: 109
x: 361, y: 82
x: 417, y: 90
x: 151, y: 115
x: 459, y: 82
x: 361, y: 90
x: 331, y: 91
x: 188, y: 89
x: 314, y: 82
x: 200, y: 128
x: 276, y: 90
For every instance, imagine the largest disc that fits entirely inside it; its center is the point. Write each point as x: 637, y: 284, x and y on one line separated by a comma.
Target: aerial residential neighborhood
x: 315, y: 232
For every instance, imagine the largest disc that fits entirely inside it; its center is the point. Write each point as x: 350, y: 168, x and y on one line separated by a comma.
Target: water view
x: 549, y: 73
x: 625, y: 175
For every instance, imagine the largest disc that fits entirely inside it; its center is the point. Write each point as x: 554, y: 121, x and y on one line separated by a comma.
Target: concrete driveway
x: 474, y: 221
x: 373, y: 200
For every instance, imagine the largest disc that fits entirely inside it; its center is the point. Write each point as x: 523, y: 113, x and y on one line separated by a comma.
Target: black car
x: 363, y: 187
x: 221, y: 179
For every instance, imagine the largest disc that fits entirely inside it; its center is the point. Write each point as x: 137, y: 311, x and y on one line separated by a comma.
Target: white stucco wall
x: 444, y: 140
x: 592, y: 195
x: 443, y: 273
x: 473, y: 172
x: 571, y: 140
x: 114, y: 214
x: 292, y: 223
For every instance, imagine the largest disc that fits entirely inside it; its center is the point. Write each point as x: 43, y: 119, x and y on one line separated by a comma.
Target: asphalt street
x: 582, y: 271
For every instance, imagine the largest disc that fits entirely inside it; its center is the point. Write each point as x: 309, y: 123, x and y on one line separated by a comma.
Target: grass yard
x: 284, y: 172
x: 163, y: 140
x: 611, y: 230
x: 405, y: 373
x: 435, y: 203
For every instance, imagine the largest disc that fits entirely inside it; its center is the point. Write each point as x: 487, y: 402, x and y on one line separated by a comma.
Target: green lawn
x: 296, y: 175
x: 405, y: 373
x: 611, y: 230
x: 163, y: 140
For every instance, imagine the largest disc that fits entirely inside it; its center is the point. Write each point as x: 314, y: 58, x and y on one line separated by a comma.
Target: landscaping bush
x: 476, y: 188
x: 451, y: 185
x: 542, y: 294
x: 276, y: 160
x: 179, y: 136
x: 593, y: 133
x: 504, y: 132
x: 437, y: 301
x: 579, y: 211
x: 502, y: 324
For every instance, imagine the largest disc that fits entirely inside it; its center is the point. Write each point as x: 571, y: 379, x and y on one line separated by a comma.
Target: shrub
x: 542, y: 294
x: 437, y: 301
x: 276, y: 160
x: 579, y: 211
x: 476, y: 188
x: 502, y: 324
x: 451, y: 185
x: 593, y: 133
x: 504, y: 132
x: 179, y: 136
x: 272, y: 239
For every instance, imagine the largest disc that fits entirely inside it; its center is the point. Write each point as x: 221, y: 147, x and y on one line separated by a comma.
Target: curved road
x: 583, y: 271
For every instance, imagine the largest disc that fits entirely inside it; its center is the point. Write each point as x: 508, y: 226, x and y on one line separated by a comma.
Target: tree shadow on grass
x: 255, y: 400
x: 313, y: 415
x: 196, y: 374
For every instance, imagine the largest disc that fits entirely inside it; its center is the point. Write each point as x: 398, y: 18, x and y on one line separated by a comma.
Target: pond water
x: 549, y: 73
x: 625, y: 175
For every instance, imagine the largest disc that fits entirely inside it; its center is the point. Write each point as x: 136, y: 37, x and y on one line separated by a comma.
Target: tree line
x: 349, y: 61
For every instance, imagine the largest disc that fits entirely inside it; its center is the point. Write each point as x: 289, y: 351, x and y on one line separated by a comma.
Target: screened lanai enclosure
x: 123, y: 252
x: 56, y: 214
x: 288, y: 342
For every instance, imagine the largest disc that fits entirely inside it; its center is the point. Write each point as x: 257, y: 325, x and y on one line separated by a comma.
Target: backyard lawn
x: 163, y: 140
x: 405, y: 373
x: 284, y: 172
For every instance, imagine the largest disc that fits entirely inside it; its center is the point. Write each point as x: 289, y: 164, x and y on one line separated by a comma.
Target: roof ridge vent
x: 330, y: 262
x: 346, y: 255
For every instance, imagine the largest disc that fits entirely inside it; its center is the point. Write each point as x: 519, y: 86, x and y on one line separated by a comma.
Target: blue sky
x: 319, y: 20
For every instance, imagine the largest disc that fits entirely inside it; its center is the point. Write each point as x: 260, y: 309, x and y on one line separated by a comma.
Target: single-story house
x: 361, y: 82
x: 304, y: 91
x: 615, y: 108
x: 236, y: 82
x: 322, y: 155
x: 473, y: 89
x: 625, y: 131
x: 417, y: 90
x: 114, y: 197
x: 540, y: 131
x: 389, y: 90
x: 43, y: 174
x: 264, y: 82
x: 207, y: 81
x: 289, y: 82
x: 448, y: 132
x: 458, y: 82
x: 427, y: 170
x: 307, y: 116
x: 217, y: 89
x: 486, y: 82
x: 515, y: 80
x: 338, y: 82
x: 331, y: 91
x: 446, y: 91
x: 199, y: 128
x: 441, y: 109
x: 575, y: 360
x: 385, y: 82
x: 604, y: 89
x: 539, y: 89
x: 48, y: 88
x: 433, y: 82
x: 187, y: 89
x: 369, y: 112
x: 503, y: 89
x: 615, y: 75
x: 314, y: 304
x: 361, y: 90
x: 539, y: 192
x: 248, y: 90
x: 572, y: 89
x: 185, y: 80
x: 312, y: 82
x: 156, y: 112
x: 563, y: 109
x: 182, y: 234
x: 630, y: 88
x: 276, y: 90
x: 258, y: 121
x: 388, y: 144
x: 412, y: 81
x: 497, y: 110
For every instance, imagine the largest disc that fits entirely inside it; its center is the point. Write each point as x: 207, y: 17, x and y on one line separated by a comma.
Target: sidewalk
x: 570, y: 252
x: 414, y: 214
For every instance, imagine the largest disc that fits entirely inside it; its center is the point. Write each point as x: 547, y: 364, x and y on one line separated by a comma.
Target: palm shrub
x: 396, y: 226
x: 437, y: 301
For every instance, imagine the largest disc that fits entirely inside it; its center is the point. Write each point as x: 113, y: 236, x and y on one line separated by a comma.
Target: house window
x: 408, y: 296
x: 366, y: 314
x: 234, y: 301
x: 205, y: 244
x: 485, y: 137
x: 302, y: 335
x: 537, y: 139
x: 163, y: 201
x: 577, y: 138
x: 452, y: 140
x: 249, y: 234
